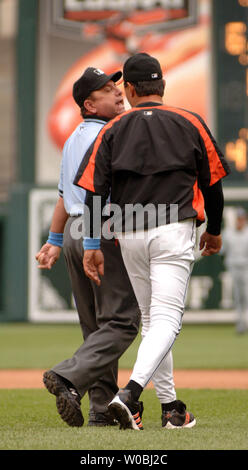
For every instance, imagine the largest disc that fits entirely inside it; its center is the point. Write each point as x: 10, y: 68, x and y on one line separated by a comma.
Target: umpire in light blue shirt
x: 109, y: 316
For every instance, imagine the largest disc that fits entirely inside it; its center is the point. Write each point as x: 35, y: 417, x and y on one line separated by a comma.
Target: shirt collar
x: 148, y: 103
x: 96, y: 118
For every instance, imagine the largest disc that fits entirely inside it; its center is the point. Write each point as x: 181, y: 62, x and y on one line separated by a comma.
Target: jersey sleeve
x: 214, y: 205
x: 212, y: 165
x: 94, y: 172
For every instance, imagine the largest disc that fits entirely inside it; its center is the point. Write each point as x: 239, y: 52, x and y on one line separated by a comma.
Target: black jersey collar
x: 148, y: 103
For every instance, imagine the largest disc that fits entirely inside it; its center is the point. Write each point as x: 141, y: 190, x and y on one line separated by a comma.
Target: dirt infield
x: 211, y: 379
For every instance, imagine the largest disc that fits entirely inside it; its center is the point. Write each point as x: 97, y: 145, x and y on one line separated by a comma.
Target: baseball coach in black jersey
x: 154, y: 156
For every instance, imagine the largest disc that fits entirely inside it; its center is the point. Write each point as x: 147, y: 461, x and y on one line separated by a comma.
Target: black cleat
x: 178, y: 417
x: 101, y: 419
x: 127, y: 411
x: 67, y: 398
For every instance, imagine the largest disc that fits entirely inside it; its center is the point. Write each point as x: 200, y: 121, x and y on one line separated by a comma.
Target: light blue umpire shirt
x: 73, y: 152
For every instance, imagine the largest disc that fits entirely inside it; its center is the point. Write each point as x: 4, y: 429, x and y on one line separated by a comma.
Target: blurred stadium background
x: 44, y: 46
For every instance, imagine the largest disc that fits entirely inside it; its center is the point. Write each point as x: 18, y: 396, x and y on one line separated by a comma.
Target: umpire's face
x: 107, y: 102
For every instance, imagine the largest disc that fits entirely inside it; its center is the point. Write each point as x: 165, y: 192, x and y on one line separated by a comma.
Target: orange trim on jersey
x: 216, y: 169
x: 87, y: 178
x: 198, y: 202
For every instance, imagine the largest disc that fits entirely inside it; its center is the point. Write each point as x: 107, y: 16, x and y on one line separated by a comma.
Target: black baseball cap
x: 92, y: 79
x: 142, y: 67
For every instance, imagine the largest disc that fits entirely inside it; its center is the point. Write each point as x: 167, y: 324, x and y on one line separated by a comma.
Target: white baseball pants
x: 159, y: 262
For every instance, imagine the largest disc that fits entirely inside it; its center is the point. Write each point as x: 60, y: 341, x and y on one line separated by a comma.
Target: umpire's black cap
x: 92, y: 79
x: 142, y: 67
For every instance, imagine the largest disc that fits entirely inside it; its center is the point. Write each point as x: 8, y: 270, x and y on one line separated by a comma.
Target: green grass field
x: 197, y: 347
x: 29, y: 420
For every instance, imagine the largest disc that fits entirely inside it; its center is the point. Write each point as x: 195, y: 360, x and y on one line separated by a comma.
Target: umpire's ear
x: 89, y: 106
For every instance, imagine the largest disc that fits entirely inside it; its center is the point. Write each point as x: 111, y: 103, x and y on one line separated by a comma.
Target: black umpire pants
x: 109, y: 317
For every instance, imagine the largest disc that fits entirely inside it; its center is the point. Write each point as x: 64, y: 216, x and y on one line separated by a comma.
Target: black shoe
x: 127, y: 411
x: 101, y: 419
x: 178, y: 417
x: 67, y: 398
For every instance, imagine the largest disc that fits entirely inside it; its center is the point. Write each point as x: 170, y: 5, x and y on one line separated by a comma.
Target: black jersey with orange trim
x: 154, y: 154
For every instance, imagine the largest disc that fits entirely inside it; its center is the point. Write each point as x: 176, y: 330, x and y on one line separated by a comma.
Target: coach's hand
x: 211, y: 244
x: 93, y: 262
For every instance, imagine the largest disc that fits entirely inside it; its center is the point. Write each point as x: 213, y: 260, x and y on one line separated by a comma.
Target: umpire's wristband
x: 91, y: 243
x: 55, y: 239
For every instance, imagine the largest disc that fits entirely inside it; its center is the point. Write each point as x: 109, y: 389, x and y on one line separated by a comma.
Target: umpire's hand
x: 93, y: 262
x: 211, y: 244
x: 47, y: 256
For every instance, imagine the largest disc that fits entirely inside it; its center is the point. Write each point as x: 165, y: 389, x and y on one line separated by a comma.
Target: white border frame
x: 58, y: 25
x: 238, y: 194
x: 36, y: 196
